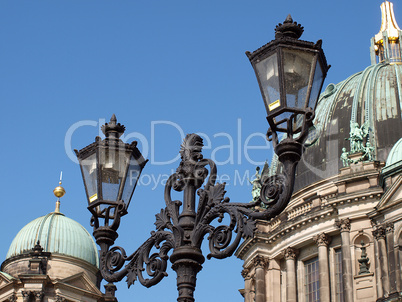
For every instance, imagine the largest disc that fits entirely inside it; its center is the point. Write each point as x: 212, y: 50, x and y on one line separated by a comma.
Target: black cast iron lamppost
x: 290, y: 73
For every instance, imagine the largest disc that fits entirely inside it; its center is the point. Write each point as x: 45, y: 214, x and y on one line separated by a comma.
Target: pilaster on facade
x: 290, y: 255
x: 344, y: 226
x: 248, y: 290
x: 323, y: 240
x: 380, y: 235
x: 384, y: 235
x: 260, y: 263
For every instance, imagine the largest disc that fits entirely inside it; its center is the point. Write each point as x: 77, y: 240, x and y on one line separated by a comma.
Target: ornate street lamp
x: 111, y: 169
x: 290, y: 73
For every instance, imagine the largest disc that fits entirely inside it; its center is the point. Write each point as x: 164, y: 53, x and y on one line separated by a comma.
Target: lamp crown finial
x: 288, y: 29
x: 114, y: 128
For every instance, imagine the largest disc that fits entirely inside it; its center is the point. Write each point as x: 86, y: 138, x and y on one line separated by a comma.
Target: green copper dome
x: 395, y: 155
x: 56, y: 234
x: 372, y: 99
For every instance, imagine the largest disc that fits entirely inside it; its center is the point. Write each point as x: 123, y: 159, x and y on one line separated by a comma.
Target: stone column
x: 378, y: 270
x: 344, y: 226
x: 273, y: 281
x: 247, y: 285
x: 290, y: 255
x: 397, y: 267
x: 260, y: 263
x: 389, y: 230
x: 323, y: 240
x: 379, y: 234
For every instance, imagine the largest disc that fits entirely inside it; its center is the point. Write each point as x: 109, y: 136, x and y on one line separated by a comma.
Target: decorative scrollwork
x: 115, y: 259
x: 184, y: 231
x: 155, y: 264
x: 271, y: 189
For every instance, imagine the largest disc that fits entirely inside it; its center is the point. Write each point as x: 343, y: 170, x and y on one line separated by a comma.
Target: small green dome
x: 56, y: 234
x: 395, y: 155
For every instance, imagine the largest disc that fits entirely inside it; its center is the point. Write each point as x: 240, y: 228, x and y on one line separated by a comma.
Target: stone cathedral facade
x: 340, y: 238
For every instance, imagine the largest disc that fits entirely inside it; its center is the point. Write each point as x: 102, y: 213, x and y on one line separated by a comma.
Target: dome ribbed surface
x: 395, y: 155
x: 56, y: 234
x: 373, y: 96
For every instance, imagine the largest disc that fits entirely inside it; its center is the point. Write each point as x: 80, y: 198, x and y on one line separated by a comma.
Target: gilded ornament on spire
x: 59, y: 192
x: 386, y: 44
x: 388, y: 23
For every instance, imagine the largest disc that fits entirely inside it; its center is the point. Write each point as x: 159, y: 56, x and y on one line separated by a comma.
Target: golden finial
x: 59, y: 192
x: 388, y: 23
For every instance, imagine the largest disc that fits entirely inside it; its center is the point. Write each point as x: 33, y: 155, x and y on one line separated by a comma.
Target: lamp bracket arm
x: 154, y: 265
x: 276, y: 192
x: 214, y: 206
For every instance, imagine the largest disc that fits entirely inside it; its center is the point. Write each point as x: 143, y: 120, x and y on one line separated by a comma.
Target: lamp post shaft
x: 187, y: 217
x: 186, y: 262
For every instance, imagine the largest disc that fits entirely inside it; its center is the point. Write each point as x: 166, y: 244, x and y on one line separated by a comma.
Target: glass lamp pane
x: 89, y: 171
x: 316, y: 87
x: 267, y: 72
x: 133, y: 174
x: 113, y: 167
x: 297, y: 69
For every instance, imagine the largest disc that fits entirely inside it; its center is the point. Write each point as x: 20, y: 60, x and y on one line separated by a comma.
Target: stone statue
x: 363, y: 261
x: 344, y: 158
x: 369, y: 152
x: 356, y: 136
x: 258, y: 181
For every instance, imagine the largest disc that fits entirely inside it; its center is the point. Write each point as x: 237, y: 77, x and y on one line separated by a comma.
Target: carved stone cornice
x: 379, y: 232
x: 343, y: 225
x: 322, y: 239
x: 260, y: 261
x: 290, y: 253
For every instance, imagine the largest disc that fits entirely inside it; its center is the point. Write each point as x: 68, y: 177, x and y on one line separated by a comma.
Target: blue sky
x: 164, y: 68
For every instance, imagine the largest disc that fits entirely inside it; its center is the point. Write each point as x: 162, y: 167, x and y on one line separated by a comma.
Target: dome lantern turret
x: 386, y: 45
